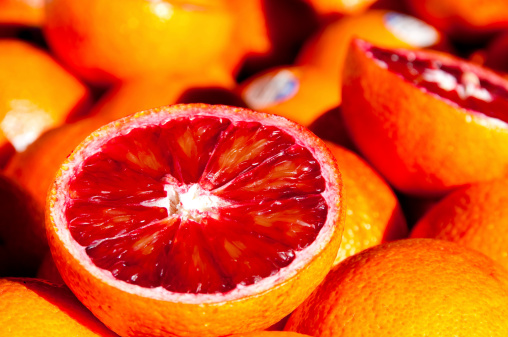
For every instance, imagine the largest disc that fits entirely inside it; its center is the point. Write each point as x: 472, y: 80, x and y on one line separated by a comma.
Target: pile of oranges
x: 388, y: 117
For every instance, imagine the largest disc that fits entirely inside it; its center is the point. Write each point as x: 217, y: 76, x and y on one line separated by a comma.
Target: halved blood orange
x: 195, y: 220
x: 427, y: 121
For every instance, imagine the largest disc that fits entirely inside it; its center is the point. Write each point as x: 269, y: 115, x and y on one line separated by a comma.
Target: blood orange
x: 427, y: 121
x: 177, y: 219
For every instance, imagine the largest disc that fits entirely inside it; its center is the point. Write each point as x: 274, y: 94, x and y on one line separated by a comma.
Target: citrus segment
x: 215, y: 203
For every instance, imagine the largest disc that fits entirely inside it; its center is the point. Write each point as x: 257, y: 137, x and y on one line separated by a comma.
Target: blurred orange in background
x: 36, y: 94
x: 132, y: 96
x: 465, y: 20
x: 22, y: 12
x: 346, y: 7
x: 107, y: 41
x: 299, y: 93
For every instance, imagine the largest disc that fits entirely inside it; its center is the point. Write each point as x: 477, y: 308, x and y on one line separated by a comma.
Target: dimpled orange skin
x: 36, y: 308
x: 421, y: 144
x: 373, y: 213
x: 474, y: 216
x: 328, y: 49
x: 22, y: 12
x: 35, y: 90
x: 151, y: 317
x: 463, y: 18
x: 411, y: 287
x: 107, y: 41
x: 315, y: 94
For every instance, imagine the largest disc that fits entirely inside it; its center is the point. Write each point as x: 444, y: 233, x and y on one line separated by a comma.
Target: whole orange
x: 300, y: 93
x: 411, y: 287
x: 373, y: 213
x: 32, y: 307
x: 105, y: 41
x: 474, y: 216
x: 36, y: 93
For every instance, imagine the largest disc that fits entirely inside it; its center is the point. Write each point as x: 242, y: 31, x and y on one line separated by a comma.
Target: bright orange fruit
x: 301, y: 94
x: 22, y: 12
x: 373, y: 213
x: 412, y: 287
x: 327, y: 7
x: 474, y: 216
x: 105, y: 41
x: 428, y: 122
x: 31, y: 307
x: 179, y: 218
x: 463, y: 19
x: 36, y: 93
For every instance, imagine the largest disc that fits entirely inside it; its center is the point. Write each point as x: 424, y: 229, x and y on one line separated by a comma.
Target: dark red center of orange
x: 129, y: 204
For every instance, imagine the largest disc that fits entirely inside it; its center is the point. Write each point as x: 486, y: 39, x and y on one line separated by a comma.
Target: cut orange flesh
x: 143, y: 208
x: 197, y: 204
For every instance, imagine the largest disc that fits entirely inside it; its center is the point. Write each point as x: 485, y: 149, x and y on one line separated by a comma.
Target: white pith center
x: 188, y: 202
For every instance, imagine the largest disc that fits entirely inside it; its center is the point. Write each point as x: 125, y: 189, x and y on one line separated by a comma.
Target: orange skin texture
x: 36, y: 308
x: 325, y: 7
x: 36, y: 92
x: 315, y: 94
x: 373, y: 213
x: 151, y: 317
x: 328, y: 49
x: 411, y: 287
x: 463, y: 18
x: 474, y: 216
x: 22, y: 235
x: 35, y: 168
x: 107, y: 41
x: 22, y: 12
x: 421, y: 144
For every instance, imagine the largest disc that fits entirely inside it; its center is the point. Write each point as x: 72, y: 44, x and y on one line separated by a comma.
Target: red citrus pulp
x: 197, y: 212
